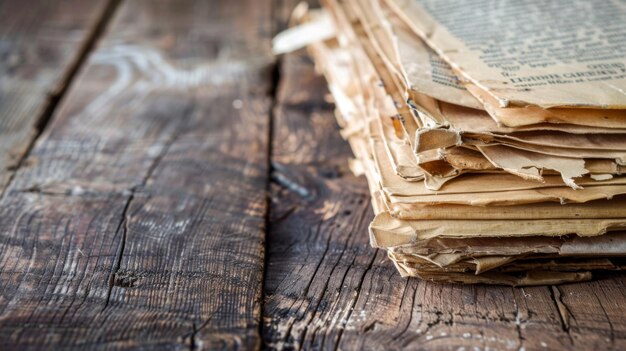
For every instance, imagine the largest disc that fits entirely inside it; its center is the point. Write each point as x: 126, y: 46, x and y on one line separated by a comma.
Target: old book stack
x: 492, y: 134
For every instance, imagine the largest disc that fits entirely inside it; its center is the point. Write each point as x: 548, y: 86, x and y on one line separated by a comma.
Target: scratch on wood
x: 518, y: 321
x: 561, y: 307
x: 123, y: 225
x: 608, y: 319
x: 352, y: 302
x: 281, y: 176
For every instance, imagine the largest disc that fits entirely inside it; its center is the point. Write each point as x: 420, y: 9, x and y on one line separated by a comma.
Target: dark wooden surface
x: 42, y: 43
x: 137, y: 219
x: 168, y: 184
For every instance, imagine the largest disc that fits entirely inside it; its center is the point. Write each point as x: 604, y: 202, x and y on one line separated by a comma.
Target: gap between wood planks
x: 273, y: 93
x: 94, y: 34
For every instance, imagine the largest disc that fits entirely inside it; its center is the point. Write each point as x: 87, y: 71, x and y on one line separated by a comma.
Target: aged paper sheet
x: 545, y: 53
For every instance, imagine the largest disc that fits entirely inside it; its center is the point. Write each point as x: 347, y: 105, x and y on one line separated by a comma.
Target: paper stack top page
x: 492, y: 134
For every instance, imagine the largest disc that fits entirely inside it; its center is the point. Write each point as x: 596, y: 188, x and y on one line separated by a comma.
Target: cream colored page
x: 428, y: 74
x: 545, y: 53
x: 423, y: 70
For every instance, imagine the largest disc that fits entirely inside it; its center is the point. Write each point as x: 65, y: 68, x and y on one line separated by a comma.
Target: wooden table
x: 168, y: 184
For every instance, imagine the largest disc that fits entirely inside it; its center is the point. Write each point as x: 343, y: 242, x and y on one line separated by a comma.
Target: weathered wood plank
x: 137, y: 220
x: 326, y: 288
x: 316, y: 242
x: 42, y: 43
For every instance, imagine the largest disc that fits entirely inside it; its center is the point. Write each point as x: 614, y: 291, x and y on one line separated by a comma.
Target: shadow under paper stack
x: 493, y: 143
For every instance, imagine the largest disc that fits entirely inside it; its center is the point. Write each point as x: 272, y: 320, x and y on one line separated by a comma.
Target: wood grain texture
x: 137, y: 220
x: 325, y: 288
x: 41, y: 45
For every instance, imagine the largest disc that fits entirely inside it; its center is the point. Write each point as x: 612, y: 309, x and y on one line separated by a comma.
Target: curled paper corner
x: 320, y: 27
x: 299, y: 13
x: 570, y: 182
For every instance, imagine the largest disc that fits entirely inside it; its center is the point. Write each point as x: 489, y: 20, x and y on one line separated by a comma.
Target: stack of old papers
x: 492, y: 134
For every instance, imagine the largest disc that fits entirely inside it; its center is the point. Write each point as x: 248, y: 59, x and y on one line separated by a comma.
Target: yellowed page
x: 543, y: 53
x: 421, y: 68
x: 519, y: 116
x: 386, y: 231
